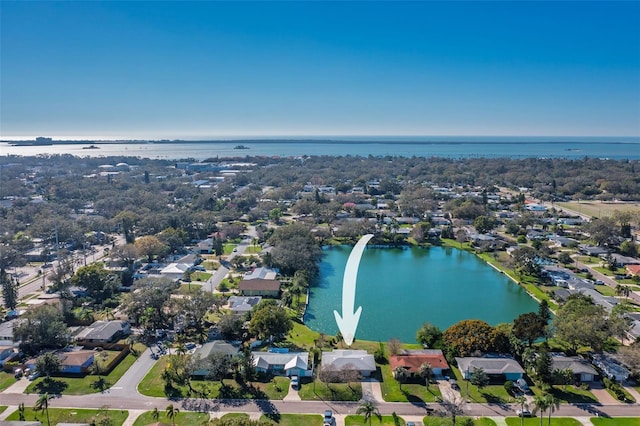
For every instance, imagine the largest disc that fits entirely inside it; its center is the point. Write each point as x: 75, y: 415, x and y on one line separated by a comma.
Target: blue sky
x: 215, y: 69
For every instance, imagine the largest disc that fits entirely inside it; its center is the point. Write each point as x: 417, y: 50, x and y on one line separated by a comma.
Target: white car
x: 524, y: 413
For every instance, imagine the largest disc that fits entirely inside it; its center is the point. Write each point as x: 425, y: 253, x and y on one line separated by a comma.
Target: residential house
x: 259, y: 287
x: 205, y: 246
x: 593, y: 251
x: 623, y: 260
x: 103, y: 332
x: 6, y: 333
x: 174, y: 271
x: 209, y: 348
x: 633, y: 269
x: 499, y: 367
x: 346, y: 359
x: 413, y: 359
x: 71, y: 362
x: 260, y: 273
x: 6, y: 353
x: 581, y: 368
x: 240, y: 305
x: 282, y: 364
x: 611, y: 367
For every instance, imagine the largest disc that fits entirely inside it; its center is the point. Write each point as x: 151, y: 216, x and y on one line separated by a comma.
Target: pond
x: 401, y: 288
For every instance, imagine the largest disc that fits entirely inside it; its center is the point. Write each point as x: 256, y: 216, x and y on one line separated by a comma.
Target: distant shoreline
x: 374, y: 141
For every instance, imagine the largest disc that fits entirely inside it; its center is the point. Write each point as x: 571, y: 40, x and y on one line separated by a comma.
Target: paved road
x: 223, y: 270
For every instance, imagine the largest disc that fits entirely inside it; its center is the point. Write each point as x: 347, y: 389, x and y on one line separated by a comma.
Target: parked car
x: 524, y: 413
x: 17, y: 373
x: 295, y: 382
x: 454, y: 384
x: 33, y: 375
x: 328, y: 420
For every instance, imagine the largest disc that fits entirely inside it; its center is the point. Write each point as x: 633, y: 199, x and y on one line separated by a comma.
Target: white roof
x: 340, y: 358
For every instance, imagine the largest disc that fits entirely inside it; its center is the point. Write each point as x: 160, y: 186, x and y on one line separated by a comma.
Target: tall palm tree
x: 523, y: 402
x: 368, y: 410
x: 540, y: 403
x: 553, y: 405
x: 172, y: 413
x: 42, y: 404
x: 426, y: 372
x: 155, y: 414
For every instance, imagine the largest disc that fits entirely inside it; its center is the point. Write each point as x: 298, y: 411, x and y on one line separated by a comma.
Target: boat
x: 91, y: 147
x: 241, y: 147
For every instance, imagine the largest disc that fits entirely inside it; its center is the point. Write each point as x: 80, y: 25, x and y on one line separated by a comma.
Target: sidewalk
x: 18, y: 387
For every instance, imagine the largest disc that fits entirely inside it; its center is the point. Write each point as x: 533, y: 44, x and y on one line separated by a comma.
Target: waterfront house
x: 240, y: 305
x: 413, y: 359
x: 259, y: 287
x: 497, y: 367
x: 345, y: 359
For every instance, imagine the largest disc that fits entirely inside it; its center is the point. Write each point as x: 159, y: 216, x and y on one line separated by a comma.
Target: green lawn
x: 183, y: 418
x: 535, y: 421
x: 227, y: 248
x: 153, y: 385
x: 81, y: 385
x: 211, y: 265
x: 573, y: 395
x: 293, y: 419
x: 615, y: 421
x: 491, y: 393
x: 253, y: 250
x: 329, y: 392
x: 71, y: 415
x: 409, y: 392
x: 446, y: 421
x: 6, y: 380
x: 189, y: 288
x: 356, y: 420
x: 2, y: 408
x: 201, y: 276
x: 605, y: 290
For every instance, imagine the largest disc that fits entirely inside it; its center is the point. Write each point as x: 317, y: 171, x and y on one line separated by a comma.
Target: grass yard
x: 596, y: 209
x: 71, y: 415
x: 189, y: 288
x: 6, y: 380
x: 356, y: 420
x: 211, y: 265
x: 183, y: 418
x: 200, y: 276
x: 227, y: 248
x: 605, y: 290
x: 409, y: 392
x: 153, y: 385
x: 293, y: 419
x: 446, y: 421
x: 491, y: 393
x: 253, y: 250
x: 573, y: 395
x: 615, y: 421
x: 329, y: 392
x: 81, y: 385
x: 2, y: 408
x: 535, y: 421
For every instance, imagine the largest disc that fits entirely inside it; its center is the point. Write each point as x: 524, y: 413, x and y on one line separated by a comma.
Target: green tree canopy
x: 268, y: 320
x: 428, y: 334
x: 579, y: 322
x: 529, y: 327
x: 41, y: 328
x: 467, y: 337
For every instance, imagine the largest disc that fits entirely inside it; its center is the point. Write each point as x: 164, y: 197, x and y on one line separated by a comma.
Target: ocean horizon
x: 571, y: 147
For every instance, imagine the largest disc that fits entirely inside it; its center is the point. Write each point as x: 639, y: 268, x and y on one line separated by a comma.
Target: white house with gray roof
x: 282, y: 364
x: 581, y: 368
x: 340, y: 359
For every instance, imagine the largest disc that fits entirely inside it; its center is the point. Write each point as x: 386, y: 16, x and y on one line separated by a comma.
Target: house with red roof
x: 413, y: 359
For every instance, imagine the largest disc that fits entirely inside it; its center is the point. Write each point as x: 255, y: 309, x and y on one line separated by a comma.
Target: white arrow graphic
x: 349, y: 321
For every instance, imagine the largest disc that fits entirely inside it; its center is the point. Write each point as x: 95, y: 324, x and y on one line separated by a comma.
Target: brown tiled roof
x: 259, y: 284
x: 412, y: 362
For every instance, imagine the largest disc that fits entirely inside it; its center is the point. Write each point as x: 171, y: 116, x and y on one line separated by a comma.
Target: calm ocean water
x: 449, y: 147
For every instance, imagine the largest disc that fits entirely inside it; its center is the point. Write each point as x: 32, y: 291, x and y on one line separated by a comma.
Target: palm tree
x: 172, y: 412
x: 553, y: 405
x: 368, y: 410
x: 541, y: 404
x: 42, y: 404
x: 21, y: 411
x: 401, y: 374
x: 155, y: 414
x: 523, y: 402
x: 426, y: 372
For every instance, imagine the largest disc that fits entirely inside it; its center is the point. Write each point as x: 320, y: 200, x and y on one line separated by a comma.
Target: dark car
x: 328, y: 420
